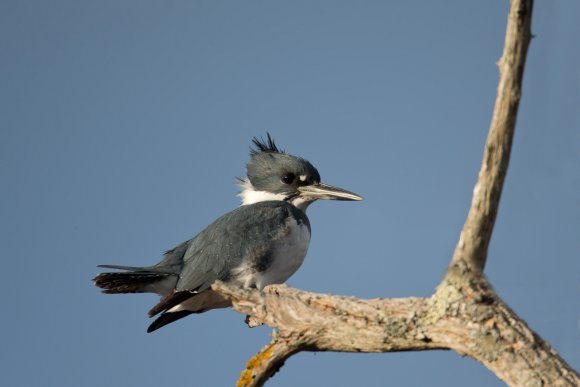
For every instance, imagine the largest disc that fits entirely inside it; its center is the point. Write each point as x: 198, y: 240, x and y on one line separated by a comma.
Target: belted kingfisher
x: 262, y: 242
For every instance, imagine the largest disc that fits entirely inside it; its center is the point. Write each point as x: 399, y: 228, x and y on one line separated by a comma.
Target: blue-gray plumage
x: 262, y: 242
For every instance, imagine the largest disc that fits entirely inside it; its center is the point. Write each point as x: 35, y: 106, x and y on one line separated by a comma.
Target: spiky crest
x: 262, y: 145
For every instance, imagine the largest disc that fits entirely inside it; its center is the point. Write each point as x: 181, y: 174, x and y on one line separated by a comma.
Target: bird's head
x: 276, y: 175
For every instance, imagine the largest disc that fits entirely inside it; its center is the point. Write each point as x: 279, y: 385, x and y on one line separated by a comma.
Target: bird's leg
x: 253, y: 321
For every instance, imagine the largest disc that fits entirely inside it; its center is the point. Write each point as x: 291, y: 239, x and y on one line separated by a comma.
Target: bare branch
x: 467, y: 317
x: 476, y: 234
x: 267, y: 362
x: 324, y: 322
x: 473, y: 320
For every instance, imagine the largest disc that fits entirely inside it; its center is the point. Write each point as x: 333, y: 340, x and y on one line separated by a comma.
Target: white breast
x: 288, y: 256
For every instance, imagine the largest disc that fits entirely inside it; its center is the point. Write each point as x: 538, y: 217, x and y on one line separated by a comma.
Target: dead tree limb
x: 476, y: 234
x: 464, y: 314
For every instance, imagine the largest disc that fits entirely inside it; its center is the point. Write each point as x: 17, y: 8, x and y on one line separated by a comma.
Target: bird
x: 262, y: 242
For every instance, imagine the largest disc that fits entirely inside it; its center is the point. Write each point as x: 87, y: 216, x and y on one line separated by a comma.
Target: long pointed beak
x: 327, y: 192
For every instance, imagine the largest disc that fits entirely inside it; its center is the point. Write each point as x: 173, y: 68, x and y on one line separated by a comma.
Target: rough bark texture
x: 464, y: 314
x: 476, y: 233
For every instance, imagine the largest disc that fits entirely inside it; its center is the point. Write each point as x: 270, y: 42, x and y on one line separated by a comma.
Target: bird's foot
x: 253, y: 321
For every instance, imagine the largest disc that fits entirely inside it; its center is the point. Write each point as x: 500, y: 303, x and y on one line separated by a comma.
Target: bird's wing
x: 172, y: 261
x: 223, y: 245
x: 246, y: 234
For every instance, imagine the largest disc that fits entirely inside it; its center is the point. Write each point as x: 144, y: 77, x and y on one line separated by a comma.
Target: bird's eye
x: 288, y: 178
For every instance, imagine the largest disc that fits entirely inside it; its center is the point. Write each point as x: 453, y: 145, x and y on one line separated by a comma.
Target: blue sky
x: 124, y: 125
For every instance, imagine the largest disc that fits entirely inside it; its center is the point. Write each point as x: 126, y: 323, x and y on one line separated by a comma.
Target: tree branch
x: 267, y: 362
x: 324, y: 322
x: 467, y: 317
x: 476, y: 234
x: 464, y: 314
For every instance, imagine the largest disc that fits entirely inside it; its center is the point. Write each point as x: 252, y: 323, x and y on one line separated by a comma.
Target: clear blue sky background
x: 124, y: 123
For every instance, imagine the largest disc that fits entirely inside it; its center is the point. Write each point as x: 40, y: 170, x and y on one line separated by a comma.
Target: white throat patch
x: 250, y: 196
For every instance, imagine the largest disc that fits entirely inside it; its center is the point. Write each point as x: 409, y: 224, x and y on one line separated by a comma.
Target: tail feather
x: 135, y: 280
x: 167, y: 318
x: 128, y: 268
